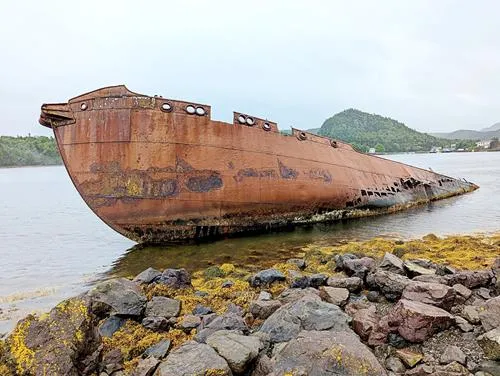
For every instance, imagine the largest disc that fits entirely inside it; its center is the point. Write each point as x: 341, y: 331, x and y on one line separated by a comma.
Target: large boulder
x: 193, y: 359
x: 471, y: 279
x: 262, y: 309
x: 489, y: 314
x: 161, y: 306
x: 430, y: 293
x: 335, y: 353
x: 175, y: 278
x: 266, y: 277
x: 359, y: 267
x: 63, y: 342
x: 417, y: 322
x: 490, y: 342
x: 119, y: 297
x: 392, y: 263
x: 238, y: 350
x: 390, y: 284
x: 307, y: 313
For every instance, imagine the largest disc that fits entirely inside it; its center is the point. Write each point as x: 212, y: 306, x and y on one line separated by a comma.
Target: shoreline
x: 211, y: 310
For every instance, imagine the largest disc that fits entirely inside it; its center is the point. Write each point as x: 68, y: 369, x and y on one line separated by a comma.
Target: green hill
x: 28, y: 151
x: 365, y: 131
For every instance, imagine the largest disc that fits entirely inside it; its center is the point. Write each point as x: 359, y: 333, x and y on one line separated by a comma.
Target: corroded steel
x: 157, y: 169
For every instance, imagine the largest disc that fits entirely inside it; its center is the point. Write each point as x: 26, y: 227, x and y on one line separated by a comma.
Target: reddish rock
x: 471, y: 279
x: 430, y: 293
x: 416, y: 322
x: 364, y: 321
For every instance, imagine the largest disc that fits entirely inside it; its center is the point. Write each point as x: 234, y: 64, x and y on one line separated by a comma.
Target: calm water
x: 52, y: 246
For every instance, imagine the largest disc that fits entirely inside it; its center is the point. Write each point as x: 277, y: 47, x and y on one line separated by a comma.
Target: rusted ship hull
x: 158, y: 170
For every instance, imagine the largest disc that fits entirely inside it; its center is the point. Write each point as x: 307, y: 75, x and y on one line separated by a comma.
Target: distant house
x: 483, y: 144
x: 371, y: 151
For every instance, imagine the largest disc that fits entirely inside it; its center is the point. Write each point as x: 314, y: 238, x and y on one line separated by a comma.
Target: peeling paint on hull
x: 159, y: 170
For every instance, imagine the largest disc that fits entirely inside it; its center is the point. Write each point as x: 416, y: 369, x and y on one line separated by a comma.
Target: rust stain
x: 158, y: 169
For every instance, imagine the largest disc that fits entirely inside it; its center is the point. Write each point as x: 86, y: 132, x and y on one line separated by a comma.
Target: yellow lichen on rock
x: 22, y: 355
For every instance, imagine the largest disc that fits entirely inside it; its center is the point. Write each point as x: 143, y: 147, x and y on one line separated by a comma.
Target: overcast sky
x: 434, y: 65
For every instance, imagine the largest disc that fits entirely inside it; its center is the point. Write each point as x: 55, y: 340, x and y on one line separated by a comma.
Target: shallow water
x: 52, y: 246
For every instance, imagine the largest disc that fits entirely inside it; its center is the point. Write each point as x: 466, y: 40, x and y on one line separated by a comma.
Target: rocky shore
x: 381, y: 307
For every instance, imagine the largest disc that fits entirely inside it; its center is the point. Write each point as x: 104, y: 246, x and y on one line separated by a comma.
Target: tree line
x: 28, y: 151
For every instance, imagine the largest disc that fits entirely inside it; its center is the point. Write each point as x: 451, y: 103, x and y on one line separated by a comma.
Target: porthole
x: 83, y: 106
x: 266, y: 126
x: 250, y: 121
x: 200, y: 111
x: 166, y: 107
x: 302, y: 136
x: 334, y: 143
x: 242, y: 119
x: 190, y: 110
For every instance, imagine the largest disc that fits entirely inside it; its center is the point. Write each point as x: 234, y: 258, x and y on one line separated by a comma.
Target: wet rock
x: 146, y: 367
x: 390, y: 284
x: 291, y: 295
x: 413, y: 269
x: 364, y: 321
x: 325, y: 353
x: 117, y: 297
x: 147, y: 276
x: 155, y: 323
x: 489, y: 314
x: 59, y: 343
x: 317, y: 280
x: 392, y: 263
x: 359, y: 267
x: 158, y: 350
x: 490, y: 343
x: 334, y: 295
x: 161, y: 306
x: 417, y: 321
x: 471, y: 314
x: 353, y: 284
x: 299, y: 263
x: 262, y: 309
x: 193, y: 358
x: 395, y: 365
x: 462, y: 291
x: 237, y: 349
x: 307, y: 313
x: 409, y: 357
x: 175, y: 278
x: 453, y: 353
x: 201, y: 310
x: 111, y: 325
x: 340, y: 259
x: 471, y: 279
x: 430, y: 293
x: 266, y: 277
x: 188, y: 322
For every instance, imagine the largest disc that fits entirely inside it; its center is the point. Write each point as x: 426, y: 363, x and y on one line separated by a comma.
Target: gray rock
x: 462, y: 290
x: 421, y: 370
x: 201, y: 310
x: 359, y: 267
x: 291, y: 295
x: 264, y: 295
x: 237, y: 349
x: 325, y: 353
x: 471, y: 314
x: 463, y: 324
x: 161, y: 306
x: 317, y: 280
x: 430, y: 293
x: 307, y: 313
x: 334, y: 295
x: 262, y: 309
x: 188, y: 322
x: 483, y: 292
x: 489, y: 314
x: 158, y: 350
x: 490, y: 366
x: 112, y: 361
x: 175, y: 278
x: 490, y: 343
x: 431, y: 278
x: 340, y: 259
x: 451, y: 354
x: 452, y: 369
x: 193, y: 358
x: 117, y: 297
x: 413, y: 269
x: 145, y: 367
x: 471, y: 279
x: 390, y: 284
x: 392, y: 263
x: 416, y: 322
x: 299, y: 263
x: 155, y: 323
x: 266, y: 277
x: 374, y: 296
x: 297, y: 280
x: 353, y: 284
x: 147, y: 276
x: 228, y: 321
x: 395, y: 365
x: 111, y: 325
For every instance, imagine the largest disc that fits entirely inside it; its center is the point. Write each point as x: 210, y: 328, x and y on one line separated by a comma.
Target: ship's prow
x: 158, y: 169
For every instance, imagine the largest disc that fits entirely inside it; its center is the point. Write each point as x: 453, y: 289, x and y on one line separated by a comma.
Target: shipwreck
x: 159, y: 170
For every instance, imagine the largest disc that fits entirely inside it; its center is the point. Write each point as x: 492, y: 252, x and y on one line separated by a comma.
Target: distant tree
x: 379, y: 148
